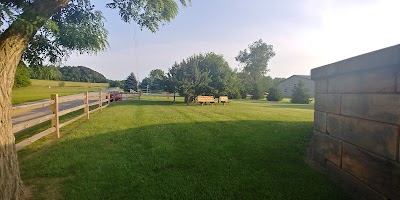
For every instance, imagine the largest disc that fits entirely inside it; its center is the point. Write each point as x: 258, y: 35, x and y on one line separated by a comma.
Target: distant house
x: 286, y: 86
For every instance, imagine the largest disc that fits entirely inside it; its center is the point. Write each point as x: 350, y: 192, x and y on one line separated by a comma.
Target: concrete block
x: 383, y: 58
x: 373, y: 136
x: 357, y: 188
x: 321, y: 160
x: 376, y: 107
x: 371, y: 81
x: 377, y: 172
x: 320, y: 121
x: 327, y: 103
x: 321, y: 86
x: 398, y: 82
x: 328, y: 147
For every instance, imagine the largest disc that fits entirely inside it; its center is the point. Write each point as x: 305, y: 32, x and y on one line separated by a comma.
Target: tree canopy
x: 155, y: 80
x: 202, y: 74
x: 78, y: 26
x: 81, y: 74
x: 51, y: 30
x: 255, y: 66
x: 255, y: 59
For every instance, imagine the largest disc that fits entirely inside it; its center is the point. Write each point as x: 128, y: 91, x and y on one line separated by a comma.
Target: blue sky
x: 305, y: 34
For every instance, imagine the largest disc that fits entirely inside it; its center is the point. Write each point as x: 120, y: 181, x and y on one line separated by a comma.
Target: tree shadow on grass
x: 273, y: 104
x: 146, y: 102
x: 200, y: 160
x: 293, y: 106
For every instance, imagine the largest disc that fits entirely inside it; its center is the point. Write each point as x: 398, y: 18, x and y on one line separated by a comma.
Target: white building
x: 286, y: 86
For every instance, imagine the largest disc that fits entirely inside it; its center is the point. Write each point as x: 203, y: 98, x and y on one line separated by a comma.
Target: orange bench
x: 224, y: 99
x: 205, y: 99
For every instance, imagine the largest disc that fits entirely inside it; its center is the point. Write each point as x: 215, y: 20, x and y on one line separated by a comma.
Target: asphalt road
x: 40, y: 112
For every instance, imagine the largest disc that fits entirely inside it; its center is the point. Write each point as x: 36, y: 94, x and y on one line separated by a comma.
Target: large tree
x: 203, y: 74
x: 171, y: 83
x: 192, y: 81
x: 49, y: 30
x: 255, y: 66
x: 155, y: 80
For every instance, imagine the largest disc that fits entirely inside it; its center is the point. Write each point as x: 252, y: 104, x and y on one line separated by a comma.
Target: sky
x: 305, y: 34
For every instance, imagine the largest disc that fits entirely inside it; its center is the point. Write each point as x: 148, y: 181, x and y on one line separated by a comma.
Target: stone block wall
x: 357, y: 120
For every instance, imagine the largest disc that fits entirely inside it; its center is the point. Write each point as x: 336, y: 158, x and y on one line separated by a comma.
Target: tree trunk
x: 174, y: 96
x: 186, y: 99
x: 13, y: 42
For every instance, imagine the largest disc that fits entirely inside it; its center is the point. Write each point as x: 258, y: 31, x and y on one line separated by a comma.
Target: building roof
x: 301, y: 76
x: 304, y: 76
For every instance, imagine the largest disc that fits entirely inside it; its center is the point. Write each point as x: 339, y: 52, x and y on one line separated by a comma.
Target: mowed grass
x: 42, y: 89
x: 158, y: 149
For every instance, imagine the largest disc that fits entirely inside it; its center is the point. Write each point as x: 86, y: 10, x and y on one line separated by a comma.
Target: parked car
x: 115, y: 95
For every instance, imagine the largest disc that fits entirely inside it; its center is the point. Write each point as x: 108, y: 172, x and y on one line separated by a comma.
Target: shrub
x: 61, y: 84
x: 274, y: 94
x: 21, y: 78
x: 300, y: 94
x: 258, y: 91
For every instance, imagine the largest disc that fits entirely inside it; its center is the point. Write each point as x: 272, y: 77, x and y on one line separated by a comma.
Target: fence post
x: 101, y: 100
x: 55, y: 122
x: 87, y: 105
x: 108, y: 96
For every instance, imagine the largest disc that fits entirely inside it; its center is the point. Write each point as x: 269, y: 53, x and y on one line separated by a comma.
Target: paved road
x: 40, y: 112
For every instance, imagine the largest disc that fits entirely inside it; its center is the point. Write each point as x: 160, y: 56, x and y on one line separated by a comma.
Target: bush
x: 274, y: 94
x: 300, y: 94
x: 258, y: 91
x: 21, y: 78
x: 61, y: 84
x: 243, y: 94
x: 116, y: 83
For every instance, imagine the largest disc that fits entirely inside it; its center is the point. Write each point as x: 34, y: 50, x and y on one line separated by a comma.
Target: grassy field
x: 158, y: 149
x: 42, y: 89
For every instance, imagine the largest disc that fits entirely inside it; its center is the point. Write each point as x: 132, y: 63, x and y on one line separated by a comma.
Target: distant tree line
x: 49, y: 72
x: 67, y: 73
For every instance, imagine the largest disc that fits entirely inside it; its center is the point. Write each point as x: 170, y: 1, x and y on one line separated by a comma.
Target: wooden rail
x: 56, y: 113
x: 33, y: 122
x: 71, y: 98
x: 31, y: 106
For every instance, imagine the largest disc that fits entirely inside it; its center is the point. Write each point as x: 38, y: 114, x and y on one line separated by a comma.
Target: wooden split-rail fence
x: 55, y: 115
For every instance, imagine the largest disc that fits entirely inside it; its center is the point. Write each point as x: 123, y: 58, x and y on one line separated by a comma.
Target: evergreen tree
x: 130, y: 83
x: 274, y: 94
x: 300, y: 94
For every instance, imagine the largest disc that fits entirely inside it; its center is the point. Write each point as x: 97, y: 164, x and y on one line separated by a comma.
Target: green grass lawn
x: 42, y: 89
x: 157, y: 149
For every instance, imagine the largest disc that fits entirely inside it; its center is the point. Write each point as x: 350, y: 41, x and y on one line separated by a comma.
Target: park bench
x: 205, y: 99
x: 224, y: 99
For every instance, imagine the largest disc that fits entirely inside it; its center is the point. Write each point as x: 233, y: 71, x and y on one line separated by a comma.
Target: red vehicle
x: 115, y: 95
